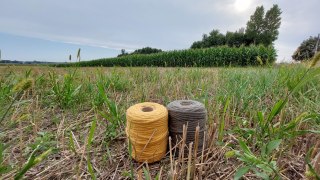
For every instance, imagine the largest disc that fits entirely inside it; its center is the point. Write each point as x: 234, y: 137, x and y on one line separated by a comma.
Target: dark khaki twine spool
x: 188, y: 112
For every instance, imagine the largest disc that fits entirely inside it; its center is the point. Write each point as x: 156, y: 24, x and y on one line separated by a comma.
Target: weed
x: 90, y: 139
x: 65, y: 93
x: 268, y: 135
x: 111, y: 114
x: 32, y: 161
x: 3, y: 167
x: 43, y: 142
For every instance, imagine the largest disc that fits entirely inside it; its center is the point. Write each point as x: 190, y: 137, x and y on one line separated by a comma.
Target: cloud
x: 166, y: 24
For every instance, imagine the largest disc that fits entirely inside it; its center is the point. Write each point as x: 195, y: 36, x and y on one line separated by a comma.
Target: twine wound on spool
x: 147, y: 131
x: 192, y: 114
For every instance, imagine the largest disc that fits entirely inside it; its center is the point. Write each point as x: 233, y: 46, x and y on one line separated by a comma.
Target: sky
x: 51, y: 30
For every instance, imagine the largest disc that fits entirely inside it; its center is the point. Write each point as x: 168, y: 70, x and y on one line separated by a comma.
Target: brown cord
x: 188, y: 112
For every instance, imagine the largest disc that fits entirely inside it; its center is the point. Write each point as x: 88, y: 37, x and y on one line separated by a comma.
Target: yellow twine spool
x: 147, y: 130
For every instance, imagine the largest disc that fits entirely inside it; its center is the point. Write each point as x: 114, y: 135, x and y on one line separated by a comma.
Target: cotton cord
x: 147, y: 131
x: 188, y: 112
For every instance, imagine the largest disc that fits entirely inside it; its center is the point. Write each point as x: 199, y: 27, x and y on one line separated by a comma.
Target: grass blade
x: 222, y: 122
x: 32, y: 161
x: 240, y: 172
x: 273, y: 145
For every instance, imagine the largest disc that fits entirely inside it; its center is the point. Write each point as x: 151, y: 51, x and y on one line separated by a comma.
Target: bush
x: 306, y: 49
x: 146, y: 50
x: 208, y: 57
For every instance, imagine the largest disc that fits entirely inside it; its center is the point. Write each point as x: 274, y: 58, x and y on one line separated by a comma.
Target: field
x: 68, y: 123
x: 204, y: 57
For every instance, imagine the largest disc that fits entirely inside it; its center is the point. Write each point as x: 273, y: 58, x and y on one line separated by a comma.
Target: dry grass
x: 36, y: 113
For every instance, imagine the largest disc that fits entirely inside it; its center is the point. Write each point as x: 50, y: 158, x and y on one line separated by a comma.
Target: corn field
x: 207, y: 57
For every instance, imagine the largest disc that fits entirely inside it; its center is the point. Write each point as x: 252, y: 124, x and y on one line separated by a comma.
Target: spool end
x: 147, y: 109
x: 185, y: 103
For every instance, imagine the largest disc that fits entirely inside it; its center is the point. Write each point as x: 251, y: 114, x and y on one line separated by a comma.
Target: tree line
x: 262, y: 28
x: 145, y: 50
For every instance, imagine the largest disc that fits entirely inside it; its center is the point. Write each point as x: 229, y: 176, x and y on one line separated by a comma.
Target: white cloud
x: 166, y: 24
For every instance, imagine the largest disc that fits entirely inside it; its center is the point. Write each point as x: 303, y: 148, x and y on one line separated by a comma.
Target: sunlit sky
x: 51, y: 30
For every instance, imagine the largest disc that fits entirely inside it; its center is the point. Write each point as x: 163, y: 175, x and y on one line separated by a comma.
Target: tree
x: 236, y: 39
x: 215, y: 38
x: 255, y: 25
x: 263, y: 28
x: 271, y: 24
x: 306, y: 50
x: 196, y: 45
x: 123, y: 53
x: 146, y: 50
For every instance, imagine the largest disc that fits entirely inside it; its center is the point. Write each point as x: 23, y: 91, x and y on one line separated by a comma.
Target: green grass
x: 79, y: 114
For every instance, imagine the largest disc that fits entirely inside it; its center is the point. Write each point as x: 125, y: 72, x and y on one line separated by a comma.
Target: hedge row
x: 209, y: 57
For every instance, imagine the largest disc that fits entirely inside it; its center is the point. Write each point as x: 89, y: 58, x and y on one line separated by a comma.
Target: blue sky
x: 15, y: 47
x: 51, y: 30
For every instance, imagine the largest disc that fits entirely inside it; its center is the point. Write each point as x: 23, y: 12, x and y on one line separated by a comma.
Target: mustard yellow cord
x: 147, y: 130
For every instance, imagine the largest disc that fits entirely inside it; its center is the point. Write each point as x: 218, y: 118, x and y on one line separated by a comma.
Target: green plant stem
x: 10, y: 106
